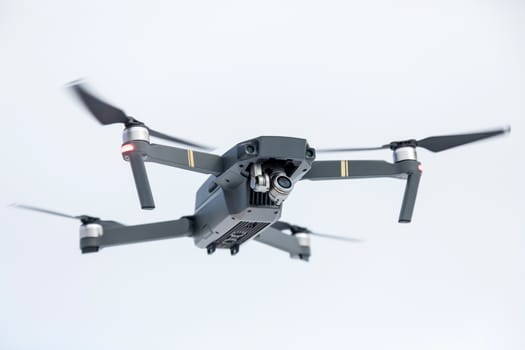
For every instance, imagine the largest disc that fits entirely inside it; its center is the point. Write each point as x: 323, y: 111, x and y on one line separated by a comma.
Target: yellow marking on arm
x: 191, y: 159
x: 344, y: 168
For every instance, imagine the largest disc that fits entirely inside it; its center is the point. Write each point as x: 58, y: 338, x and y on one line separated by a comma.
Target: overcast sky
x: 348, y: 73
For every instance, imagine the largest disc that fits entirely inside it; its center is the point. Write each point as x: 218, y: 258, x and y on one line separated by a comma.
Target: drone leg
x: 211, y: 249
x: 141, y: 181
x: 234, y: 249
x: 409, y: 198
x: 303, y: 257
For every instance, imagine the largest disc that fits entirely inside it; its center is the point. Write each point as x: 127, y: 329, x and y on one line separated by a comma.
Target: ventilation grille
x: 240, y: 233
x: 261, y: 199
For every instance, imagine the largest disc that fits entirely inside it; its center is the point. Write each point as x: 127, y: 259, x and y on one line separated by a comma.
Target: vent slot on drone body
x: 261, y: 199
x: 240, y: 233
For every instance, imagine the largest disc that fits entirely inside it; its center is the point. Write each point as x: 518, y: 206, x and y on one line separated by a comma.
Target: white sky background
x: 357, y: 73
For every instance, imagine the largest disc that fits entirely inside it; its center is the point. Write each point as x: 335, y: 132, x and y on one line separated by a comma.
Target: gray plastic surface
x: 409, y: 198
x: 118, y: 234
x: 363, y: 169
x: 200, y: 162
x: 141, y: 181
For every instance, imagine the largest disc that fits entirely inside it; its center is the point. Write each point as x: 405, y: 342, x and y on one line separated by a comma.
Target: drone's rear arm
x: 362, y: 169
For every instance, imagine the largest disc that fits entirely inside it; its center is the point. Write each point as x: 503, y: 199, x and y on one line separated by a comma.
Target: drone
x: 242, y: 199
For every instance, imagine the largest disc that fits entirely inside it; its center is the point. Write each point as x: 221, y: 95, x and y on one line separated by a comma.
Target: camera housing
x: 280, y: 187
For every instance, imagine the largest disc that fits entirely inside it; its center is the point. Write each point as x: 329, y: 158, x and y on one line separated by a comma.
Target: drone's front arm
x: 137, y: 152
x: 103, y: 233
x: 362, y: 169
x: 201, y: 162
x: 186, y: 159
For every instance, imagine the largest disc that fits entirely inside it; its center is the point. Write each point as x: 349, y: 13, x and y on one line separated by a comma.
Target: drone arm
x: 138, y: 151
x: 113, y: 233
x: 354, y: 169
x: 362, y: 169
x: 282, y: 241
x: 187, y: 159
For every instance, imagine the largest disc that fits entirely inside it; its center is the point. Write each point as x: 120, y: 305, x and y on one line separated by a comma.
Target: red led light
x: 127, y: 148
x: 420, y: 168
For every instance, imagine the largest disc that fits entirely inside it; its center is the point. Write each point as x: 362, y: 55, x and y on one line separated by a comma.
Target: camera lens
x: 284, y: 182
x: 281, y: 187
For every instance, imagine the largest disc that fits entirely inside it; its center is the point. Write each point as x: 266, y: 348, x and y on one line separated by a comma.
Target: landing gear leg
x: 211, y: 249
x: 234, y: 249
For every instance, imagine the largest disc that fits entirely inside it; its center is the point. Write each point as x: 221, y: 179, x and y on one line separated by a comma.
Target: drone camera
x: 281, y: 186
x: 284, y: 182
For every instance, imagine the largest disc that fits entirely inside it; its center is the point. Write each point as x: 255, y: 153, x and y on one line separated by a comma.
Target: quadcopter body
x: 243, y: 196
x: 246, y: 197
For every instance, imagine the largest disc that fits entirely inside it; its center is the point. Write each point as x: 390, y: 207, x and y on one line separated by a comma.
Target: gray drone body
x: 243, y: 197
x: 247, y: 197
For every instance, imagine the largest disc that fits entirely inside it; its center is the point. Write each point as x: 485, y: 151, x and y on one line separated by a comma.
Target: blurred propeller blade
x: 441, y: 143
x: 340, y: 238
x: 282, y: 225
x: 107, y: 114
x: 41, y: 210
x: 433, y: 143
x: 102, y: 111
x: 178, y: 140
x: 355, y: 149
x: 83, y: 218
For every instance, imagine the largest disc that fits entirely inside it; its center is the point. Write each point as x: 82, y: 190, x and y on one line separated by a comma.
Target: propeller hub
x: 135, y: 133
x: 86, y: 219
x: 398, y: 144
x: 405, y: 153
x: 133, y: 122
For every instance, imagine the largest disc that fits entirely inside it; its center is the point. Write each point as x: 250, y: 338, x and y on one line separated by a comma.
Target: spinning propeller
x: 433, y: 143
x: 282, y: 225
x: 85, y: 219
x: 107, y: 114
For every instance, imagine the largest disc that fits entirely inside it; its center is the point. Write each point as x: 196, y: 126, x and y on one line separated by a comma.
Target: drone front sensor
x: 242, y: 199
